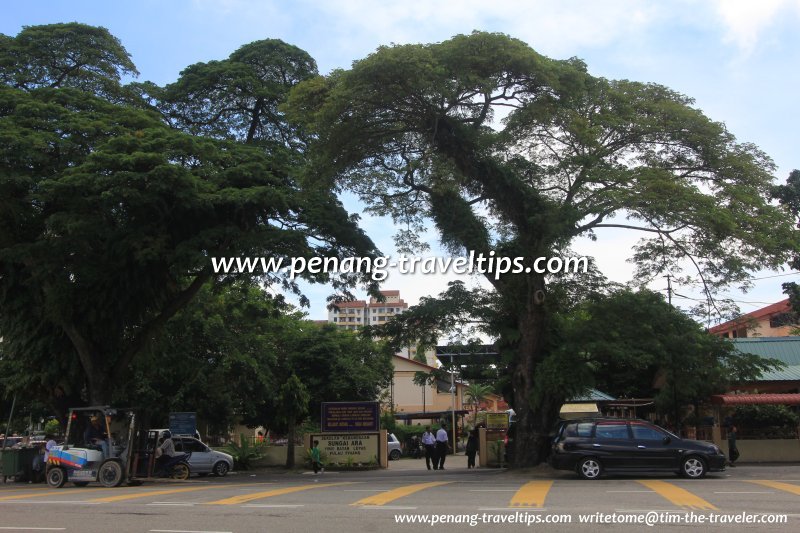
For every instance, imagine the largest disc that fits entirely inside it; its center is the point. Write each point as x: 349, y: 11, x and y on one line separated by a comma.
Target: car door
x: 613, y: 445
x: 653, y: 448
x: 201, y: 458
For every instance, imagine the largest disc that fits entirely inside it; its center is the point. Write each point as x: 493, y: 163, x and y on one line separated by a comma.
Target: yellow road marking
x: 677, y: 495
x: 275, y: 492
x: 132, y: 496
x: 786, y: 487
x: 531, y: 494
x: 392, y: 495
x: 38, y: 494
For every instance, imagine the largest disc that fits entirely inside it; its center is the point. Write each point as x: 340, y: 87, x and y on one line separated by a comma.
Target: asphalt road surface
x: 746, y: 498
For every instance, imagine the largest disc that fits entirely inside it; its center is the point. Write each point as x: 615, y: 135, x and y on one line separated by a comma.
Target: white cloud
x: 746, y: 21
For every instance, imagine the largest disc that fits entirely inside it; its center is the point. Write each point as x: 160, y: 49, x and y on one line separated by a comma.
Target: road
x: 376, y: 501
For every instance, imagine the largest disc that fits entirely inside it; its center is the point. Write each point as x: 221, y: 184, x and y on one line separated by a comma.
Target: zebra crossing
x: 512, y: 494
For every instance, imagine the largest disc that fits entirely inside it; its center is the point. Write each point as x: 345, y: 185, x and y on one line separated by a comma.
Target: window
x: 193, y: 445
x: 642, y: 432
x: 782, y: 319
x: 582, y: 429
x: 612, y: 430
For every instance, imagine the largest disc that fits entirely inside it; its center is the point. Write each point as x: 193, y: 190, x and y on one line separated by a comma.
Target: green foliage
x: 412, y: 130
x: 762, y: 416
x: 243, y: 453
x: 64, y: 55
x: 662, y: 353
x: 404, y: 432
x: 789, y: 196
x: 52, y: 427
x: 110, y: 215
x: 388, y: 421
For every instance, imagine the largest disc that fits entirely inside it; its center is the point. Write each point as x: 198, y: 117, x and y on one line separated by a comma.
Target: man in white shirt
x: 441, y: 446
x: 429, y: 441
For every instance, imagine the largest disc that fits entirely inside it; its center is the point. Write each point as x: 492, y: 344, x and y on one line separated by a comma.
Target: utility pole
x: 669, y: 289
x: 453, y: 398
x: 675, y: 408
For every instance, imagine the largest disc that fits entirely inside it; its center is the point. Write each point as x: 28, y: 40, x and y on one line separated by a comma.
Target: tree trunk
x: 290, y: 442
x: 536, y: 405
x: 100, y: 388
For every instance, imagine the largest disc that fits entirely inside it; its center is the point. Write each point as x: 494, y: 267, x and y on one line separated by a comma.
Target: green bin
x: 18, y: 463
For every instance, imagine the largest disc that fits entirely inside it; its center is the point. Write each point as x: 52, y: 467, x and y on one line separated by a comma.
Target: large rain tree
x: 508, y: 151
x: 111, y: 213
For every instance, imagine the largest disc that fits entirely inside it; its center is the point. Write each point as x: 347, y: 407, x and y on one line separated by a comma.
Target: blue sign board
x: 350, y: 416
x: 183, y: 423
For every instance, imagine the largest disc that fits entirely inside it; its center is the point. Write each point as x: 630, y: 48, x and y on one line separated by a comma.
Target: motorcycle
x: 175, y: 467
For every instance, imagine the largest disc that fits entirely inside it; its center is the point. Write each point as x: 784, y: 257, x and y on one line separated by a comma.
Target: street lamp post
x: 453, y: 404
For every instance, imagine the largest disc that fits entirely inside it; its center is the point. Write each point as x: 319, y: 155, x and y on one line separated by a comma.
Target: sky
x: 739, y: 60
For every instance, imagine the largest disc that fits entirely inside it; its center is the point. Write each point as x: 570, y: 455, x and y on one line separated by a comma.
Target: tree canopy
x: 110, y: 215
x: 506, y: 150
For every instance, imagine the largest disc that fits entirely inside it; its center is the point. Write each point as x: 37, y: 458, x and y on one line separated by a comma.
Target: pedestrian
x: 441, y: 445
x: 472, y: 447
x: 733, y: 451
x: 51, y: 441
x: 316, y: 462
x: 429, y: 441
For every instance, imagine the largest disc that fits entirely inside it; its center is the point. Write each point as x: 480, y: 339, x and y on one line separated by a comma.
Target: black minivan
x: 595, y: 445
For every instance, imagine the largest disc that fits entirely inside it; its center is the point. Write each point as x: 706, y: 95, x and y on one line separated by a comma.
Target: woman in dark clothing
x: 472, y: 448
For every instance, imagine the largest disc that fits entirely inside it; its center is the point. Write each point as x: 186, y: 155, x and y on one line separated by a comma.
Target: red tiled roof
x: 779, y: 307
x: 756, y: 399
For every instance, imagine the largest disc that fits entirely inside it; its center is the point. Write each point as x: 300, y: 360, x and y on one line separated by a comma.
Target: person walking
x: 429, y: 441
x: 316, y: 461
x: 442, y: 441
x: 733, y: 451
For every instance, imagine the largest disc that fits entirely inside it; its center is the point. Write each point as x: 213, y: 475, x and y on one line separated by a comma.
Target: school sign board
x: 183, y: 423
x: 340, y: 417
x: 343, y: 448
x: 497, y: 420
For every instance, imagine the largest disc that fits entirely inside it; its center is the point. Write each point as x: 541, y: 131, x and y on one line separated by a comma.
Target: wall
x: 767, y: 451
x: 276, y: 456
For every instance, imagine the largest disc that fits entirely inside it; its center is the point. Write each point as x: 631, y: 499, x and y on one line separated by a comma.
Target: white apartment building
x: 353, y: 315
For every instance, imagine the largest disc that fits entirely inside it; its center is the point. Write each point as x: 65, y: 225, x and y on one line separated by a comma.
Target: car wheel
x: 589, y: 468
x: 221, y: 468
x: 693, y: 467
x: 56, y: 477
x: 180, y: 471
x: 395, y: 455
x: 80, y: 483
x: 110, y: 474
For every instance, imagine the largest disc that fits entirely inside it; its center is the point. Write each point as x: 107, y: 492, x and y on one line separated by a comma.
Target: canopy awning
x: 756, y: 399
x: 579, y: 408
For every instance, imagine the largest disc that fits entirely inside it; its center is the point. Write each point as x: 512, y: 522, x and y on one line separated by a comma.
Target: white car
x: 394, y: 447
x: 203, y: 460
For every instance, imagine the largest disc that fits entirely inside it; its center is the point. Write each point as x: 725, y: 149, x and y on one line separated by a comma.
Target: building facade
x: 776, y: 320
x: 359, y: 313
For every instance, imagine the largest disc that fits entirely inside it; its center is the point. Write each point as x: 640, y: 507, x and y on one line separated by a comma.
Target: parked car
x: 394, y: 447
x: 203, y: 460
x: 597, y: 445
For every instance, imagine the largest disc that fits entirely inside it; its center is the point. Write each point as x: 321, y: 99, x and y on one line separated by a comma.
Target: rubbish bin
x: 18, y: 463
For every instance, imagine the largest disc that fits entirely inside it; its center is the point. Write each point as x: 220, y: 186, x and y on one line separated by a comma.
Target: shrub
x: 761, y: 416
x: 243, y: 453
